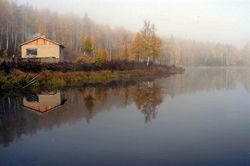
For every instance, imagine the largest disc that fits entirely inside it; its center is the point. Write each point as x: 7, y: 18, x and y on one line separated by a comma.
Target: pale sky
x: 225, y: 21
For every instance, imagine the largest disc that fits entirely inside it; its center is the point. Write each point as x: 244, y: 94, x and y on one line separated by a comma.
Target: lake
x: 201, y: 117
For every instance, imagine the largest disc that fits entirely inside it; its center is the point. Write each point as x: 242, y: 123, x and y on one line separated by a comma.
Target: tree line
x: 193, y: 53
x: 20, y: 23
x: 85, y: 39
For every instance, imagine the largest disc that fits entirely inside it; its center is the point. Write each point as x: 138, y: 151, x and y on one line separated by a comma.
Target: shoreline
x: 51, y: 80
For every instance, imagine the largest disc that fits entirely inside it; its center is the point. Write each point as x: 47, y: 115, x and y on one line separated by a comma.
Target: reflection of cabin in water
x: 41, y: 49
x: 43, y: 102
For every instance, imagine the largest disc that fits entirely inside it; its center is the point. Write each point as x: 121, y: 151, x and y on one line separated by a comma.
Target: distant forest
x: 19, y: 23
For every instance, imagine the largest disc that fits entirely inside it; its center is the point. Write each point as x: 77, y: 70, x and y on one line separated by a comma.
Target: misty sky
x: 226, y: 21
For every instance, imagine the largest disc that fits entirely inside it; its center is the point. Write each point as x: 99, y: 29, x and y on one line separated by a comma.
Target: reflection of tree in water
x: 86, y: 103
x: 13, y: 121
x: 147, y: 97
x: 89, y: 103
x: 93, y: 96
x: 101, y: 94
x: 206, y: 79
x: 81, y: 104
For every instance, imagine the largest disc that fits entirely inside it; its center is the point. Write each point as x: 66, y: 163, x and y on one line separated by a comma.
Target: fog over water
x: 200, y: 117
x: 225, y: 21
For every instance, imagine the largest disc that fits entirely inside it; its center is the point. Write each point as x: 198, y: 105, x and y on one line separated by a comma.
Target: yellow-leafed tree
x: 146, y: 44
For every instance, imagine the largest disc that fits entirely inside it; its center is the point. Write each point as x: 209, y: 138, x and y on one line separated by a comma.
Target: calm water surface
x: 201, y: 117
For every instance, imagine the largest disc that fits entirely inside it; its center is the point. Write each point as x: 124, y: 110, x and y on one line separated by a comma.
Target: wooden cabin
x: 42, y: 49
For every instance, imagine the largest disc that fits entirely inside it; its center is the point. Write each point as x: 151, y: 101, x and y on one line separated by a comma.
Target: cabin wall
x: 43, y: 51
x: 47, y: 51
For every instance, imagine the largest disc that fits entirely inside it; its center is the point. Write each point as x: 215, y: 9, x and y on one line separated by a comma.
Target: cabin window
x: 31, y: 52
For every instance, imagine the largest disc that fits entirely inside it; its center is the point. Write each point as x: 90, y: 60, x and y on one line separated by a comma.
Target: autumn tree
x: 137, y: 47
x: 156, y: 48
x: 101, y: 56
x: 5, y: 55
x: 125, y: 53
x: 88, y: 46
x: 146, y: 44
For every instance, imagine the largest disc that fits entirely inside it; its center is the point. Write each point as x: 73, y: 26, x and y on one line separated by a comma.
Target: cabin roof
x: 41, y: 109
x: 40, y: 37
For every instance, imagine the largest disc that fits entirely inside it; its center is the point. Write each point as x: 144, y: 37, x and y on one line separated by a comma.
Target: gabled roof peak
x: 41, y: 37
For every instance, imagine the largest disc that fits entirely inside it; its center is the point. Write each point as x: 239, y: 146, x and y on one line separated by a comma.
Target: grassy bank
x: 47, y: 80
x: 33, y: 66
